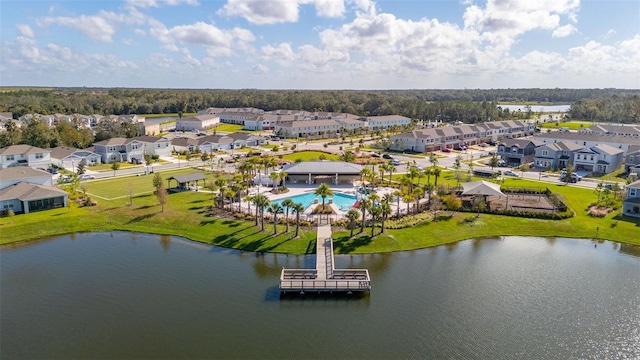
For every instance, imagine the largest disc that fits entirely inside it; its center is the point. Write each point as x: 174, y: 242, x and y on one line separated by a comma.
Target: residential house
x: 589, y: 140
x: 24, y: 155
x: 24, y: 190
x: 154, y: 145
x: 14, y: 175
x: 451, y: 137
x: 242, y: 139
x: 69, y: 157
x: 517, y: 152
x: 184, y: 144
x: 600, y: 159
x: 631, y: 205
x: 307, y: 128
x: 605, y: 129
x: 385, y: 121
x: 120, y: 149
x: 632, y: 159
x: 197, y: 123
x: 555, y: 155
x: 206, y: 144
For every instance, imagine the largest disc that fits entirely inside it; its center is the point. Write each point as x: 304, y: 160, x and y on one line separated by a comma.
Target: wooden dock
x: 324, y: 278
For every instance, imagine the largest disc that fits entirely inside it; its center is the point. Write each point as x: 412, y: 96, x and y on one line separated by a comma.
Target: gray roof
x: 149, y: 139
x: 609, y: 150
x: 25, y: 191
x: 599, y: 138
x: 322, y: 167
x: 635, y: 184
x: 189, y: 177
x: 22, y: 149
x: 21, y: 172
x: 521, y: 143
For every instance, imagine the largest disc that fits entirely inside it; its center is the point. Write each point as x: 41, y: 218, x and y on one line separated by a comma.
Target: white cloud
x: 261, y: 12
x: 609, y: 33
x: 564, y: 31
x: 282, y: 54
x: 93, y: 26
x: 260, y: 69
x: 25, y: 30
x: 100, y: 27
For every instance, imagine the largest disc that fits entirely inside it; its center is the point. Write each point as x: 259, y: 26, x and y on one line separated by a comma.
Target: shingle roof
x: 22, y: 149
x: 21, y: 172
x: 25, y: 191
x: 189, y: 177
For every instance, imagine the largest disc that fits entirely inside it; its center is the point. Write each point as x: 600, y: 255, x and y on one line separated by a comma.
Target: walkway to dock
x: 325, y: 278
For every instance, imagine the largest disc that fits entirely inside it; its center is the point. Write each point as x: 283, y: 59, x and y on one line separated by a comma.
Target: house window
x: 632, y: 192
x: 591, y: 157
x: 578, y: 156
x: 10, y: 158
x: 545, y: 153
x: 631, y: 158
x: 39, y: 156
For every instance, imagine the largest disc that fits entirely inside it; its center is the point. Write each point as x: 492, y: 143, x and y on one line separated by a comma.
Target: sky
x: 321, y: 44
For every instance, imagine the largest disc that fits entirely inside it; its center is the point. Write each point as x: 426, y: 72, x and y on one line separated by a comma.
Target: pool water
x: 344, y: 202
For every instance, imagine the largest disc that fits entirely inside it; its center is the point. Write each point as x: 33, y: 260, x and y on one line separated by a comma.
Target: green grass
x: 571, y: 125
x: 230, y: 128
x: 112, y: 188
x: 309, y: 156
x: 184, y: 216
x: 107, y: 167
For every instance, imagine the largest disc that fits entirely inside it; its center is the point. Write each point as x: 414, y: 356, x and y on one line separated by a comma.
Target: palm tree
x: 275, y: 209
x: 298, y: 209
x: 275, y: 177
x: 261, y: 201
x: 287, y: 203
x: 364, y: 204
x: 323, y: 191
x: 220, y: 183
x: 417, y: 194
x: 433, y: 159
x: 352, y: 216
x: 391, y: 169
x: 249, y: 200
x: 385, y: 212
x: 436, y: 174
x: 397, y: 194
x: 374, y: 209
x: 382, y: 168
x: 364, y: 173
x: 428, y: 189
x: 283, y: 177
x: 428, y: 172
x: 407, y: 198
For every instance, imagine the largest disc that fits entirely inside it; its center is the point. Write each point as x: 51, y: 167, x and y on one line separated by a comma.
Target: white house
x: 154, y: 145
x: 24, y: 190
x: 69, y: 157
x: 24, y: 155
x: 631, y: 205
x: 197, y: 123
x: 601, y: 159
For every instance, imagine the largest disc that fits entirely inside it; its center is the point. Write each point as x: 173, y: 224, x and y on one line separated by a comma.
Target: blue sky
x: 321, y: 44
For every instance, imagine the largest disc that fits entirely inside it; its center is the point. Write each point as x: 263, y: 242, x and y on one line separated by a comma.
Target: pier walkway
x: 324, y: 278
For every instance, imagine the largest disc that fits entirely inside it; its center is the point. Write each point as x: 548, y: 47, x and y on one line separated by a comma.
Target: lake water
x: 126, y: 295
x: 537, y: 108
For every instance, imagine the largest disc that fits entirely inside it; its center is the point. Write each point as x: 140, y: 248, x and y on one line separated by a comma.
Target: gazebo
x: 185, y: 181
x: 483, y: 188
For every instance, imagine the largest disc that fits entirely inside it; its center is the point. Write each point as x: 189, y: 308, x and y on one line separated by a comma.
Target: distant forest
x: 469, y: 106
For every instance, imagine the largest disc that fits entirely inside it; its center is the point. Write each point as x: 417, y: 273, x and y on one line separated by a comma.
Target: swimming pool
x: 344, y: 202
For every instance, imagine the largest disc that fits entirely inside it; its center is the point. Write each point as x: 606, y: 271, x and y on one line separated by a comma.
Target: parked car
x: 395, y: 162
x: 387, y: 156
x: 136, y: 161
x: 52, y: 170
x: 574, y: 178
x: 87, y: 177
x: 509, y: 173
x: 376, y: 155
x: 447, y: 150
x: 64, y: 179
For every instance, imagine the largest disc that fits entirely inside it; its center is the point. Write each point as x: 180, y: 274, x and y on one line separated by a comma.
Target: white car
x: 87, y: 177
x: 509, y: 173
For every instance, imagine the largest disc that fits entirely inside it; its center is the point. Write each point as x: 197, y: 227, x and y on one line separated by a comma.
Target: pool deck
x: 324, y: 278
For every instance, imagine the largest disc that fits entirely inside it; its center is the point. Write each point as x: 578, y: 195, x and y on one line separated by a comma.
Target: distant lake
x: 127, y: 295
x: 537, y: 108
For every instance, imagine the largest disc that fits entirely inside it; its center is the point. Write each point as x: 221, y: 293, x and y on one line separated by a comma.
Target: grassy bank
x: 185, y: 216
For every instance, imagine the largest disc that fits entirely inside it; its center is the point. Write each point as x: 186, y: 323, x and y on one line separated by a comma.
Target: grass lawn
x: 107, y: 167
x: 184, y: 216
x: 572, y: 125
x: 309, y: 156
x: 112, y: 188
x: 231, y: 128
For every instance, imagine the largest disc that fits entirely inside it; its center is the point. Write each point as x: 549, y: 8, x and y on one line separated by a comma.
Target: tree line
x: 469, y: 105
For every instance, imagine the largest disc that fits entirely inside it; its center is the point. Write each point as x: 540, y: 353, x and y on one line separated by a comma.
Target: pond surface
x: 126, y: 295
